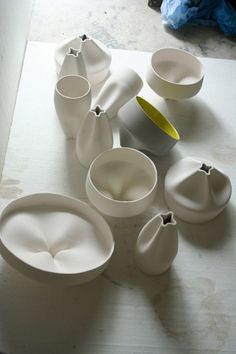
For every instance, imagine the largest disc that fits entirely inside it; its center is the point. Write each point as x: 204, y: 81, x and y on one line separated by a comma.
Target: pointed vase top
x: 157, y: 244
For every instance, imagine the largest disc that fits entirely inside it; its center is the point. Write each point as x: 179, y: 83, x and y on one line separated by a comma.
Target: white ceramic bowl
x: 144, y: 127
x: 55, y: 239
x: 121, y: 182
x: 174, y: 73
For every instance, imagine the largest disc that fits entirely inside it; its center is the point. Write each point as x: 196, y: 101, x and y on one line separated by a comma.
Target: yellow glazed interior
x: 157, y: 118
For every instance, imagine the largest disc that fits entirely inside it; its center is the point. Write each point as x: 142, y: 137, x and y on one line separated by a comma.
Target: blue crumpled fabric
x: 176, y: 13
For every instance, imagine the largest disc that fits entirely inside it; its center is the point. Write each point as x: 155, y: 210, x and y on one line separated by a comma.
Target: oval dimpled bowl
x: 55, y: 239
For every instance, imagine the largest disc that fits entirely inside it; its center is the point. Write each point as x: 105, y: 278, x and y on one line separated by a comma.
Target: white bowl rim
x: 184, y: 52
x: 4, y: 212
x: 130, y: 202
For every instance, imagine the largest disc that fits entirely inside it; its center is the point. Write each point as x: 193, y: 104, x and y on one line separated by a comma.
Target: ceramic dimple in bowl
x: 144, y: 127
x: 55, y: 239
x: 121, y: 182
x: 174, y: 73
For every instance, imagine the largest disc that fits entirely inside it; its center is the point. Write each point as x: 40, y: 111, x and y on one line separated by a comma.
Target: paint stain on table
x: 224, y: 153
x: 9, y: 189
x: 194, y: 312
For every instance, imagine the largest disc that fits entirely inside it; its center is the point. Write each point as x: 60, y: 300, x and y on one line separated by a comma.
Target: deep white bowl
x: 55, y: 239
x: 121, y: 182
x: 174, y: 73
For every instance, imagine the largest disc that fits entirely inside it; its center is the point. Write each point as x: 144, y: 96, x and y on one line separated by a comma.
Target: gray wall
x: 14, y: 26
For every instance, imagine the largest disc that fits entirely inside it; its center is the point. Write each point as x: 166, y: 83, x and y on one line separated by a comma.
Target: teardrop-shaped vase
x: 97, y: 57
x: 94, y: 136
x: 195, y: 190
x: 119, y: 88
x: 73, y: 64
x: 157, y: 244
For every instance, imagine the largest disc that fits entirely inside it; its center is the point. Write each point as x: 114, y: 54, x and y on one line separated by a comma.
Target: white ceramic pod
x: 119, y: 88
x: 157, y: 244
x: 121, y: 182
x: 55, y: 239
x: 144, y: 127
x: 72, y: 99
x: 195, y: 190
x: 174, y: 73
x: 73, y: 64
x: 94, y: 137
x: 97, y: 57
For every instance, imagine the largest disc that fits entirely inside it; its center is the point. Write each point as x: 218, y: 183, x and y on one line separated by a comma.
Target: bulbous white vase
x: 72, y: 99
x: 119, y: 88
x: 97, y: 57
x: 157, y: 244
x: 94, y: 137
x: 195, y: 190
x: 73, y: 64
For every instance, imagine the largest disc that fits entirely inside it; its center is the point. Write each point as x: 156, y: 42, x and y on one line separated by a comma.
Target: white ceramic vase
x: 97, y: 57
x: 94, y: 137
x: 157, y: 244
x: 73, y: 64
x: 195, y: 190
x: 72, y: 99
x: 119, y: 88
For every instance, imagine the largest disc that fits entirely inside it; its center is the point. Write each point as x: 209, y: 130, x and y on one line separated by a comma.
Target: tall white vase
x: 72, y: 99
x: 157, y: 244
x: 195, y: 190
x: 96, y: 55
x: 94, y: 136
x: 73, y: 64
x: 119, y: 88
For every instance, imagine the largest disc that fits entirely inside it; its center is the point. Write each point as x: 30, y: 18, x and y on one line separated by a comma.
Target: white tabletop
x: 189, y: 309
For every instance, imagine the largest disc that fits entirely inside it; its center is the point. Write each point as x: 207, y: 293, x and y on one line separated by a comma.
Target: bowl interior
x: 157, y: 118
x: 56, y: 234
x: 177, y: 66
x: 73, y: 86
x: 123, y: 175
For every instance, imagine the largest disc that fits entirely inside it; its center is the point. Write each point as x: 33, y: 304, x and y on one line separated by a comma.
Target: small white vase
x: 72, y: 99
x: 73, y: 64
x: 119, y: 88
x: 195, y: 190
x: 157, y: 244
x: 94, y: 136
x: 97, y: 57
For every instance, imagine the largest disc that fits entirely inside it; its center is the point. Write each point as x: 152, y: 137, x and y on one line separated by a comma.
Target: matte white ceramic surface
x: 119, y: 88
x: 72, y: 99
x: 174, y: 73
x: 196, y: 190
x: 97, y: 57
x: 73, y: 64
x: 121, y: 182
x: 54, y: 238
x: 144, y: 127
x: 157, y: 244
x: 94, y: 137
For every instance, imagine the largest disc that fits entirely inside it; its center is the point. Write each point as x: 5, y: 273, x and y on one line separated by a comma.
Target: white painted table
x: 191, y: 308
